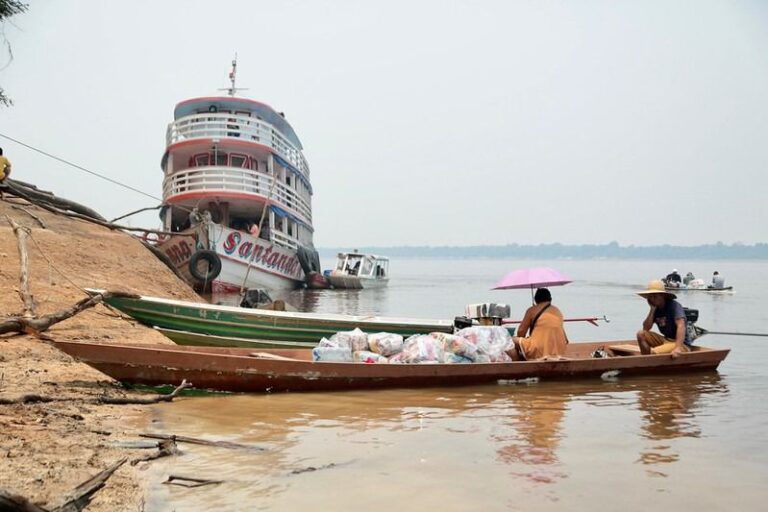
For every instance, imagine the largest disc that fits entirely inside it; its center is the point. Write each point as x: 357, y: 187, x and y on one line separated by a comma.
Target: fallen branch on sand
x: 78, y: 499
x: 79, y: 212
x: 35, y: 326
x: 39, y: 197
x: 144, y: 401
x: 32, y: 399
x: 205, y: 442
x: 196, y: 482
x: 81, y: 496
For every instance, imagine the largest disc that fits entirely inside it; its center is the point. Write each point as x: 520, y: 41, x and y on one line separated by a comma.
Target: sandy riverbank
x: 47, y: 449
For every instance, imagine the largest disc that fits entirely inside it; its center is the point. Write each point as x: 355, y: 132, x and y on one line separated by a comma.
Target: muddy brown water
x: 693, y: 442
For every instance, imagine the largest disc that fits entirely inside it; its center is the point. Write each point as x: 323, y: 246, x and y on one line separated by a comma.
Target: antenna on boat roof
x: 231, y: 90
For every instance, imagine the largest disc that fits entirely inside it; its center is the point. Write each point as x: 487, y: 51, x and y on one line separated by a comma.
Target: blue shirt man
x: 669, y: 316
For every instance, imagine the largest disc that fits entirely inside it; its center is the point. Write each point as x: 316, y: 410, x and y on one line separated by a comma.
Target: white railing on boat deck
x: 284, y: 240
x: 236, y: 127
x: 231, y: 179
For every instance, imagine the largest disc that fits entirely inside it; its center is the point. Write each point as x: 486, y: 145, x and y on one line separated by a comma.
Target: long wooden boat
x: 243, y: 370
x: 182, y: 320
x: 710, y: 289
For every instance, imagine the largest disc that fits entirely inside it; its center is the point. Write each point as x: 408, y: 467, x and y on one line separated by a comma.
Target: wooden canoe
x: 247, y: 370
x: 241, y: 324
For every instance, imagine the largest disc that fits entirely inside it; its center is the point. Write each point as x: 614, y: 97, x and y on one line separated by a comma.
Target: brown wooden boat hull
x: 236, y: 369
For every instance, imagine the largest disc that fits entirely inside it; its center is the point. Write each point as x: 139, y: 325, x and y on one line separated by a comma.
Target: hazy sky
x: 424, y: 122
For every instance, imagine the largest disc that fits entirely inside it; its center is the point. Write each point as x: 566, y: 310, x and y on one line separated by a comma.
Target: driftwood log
x: 15, y: 503
x: 33, y: 399
x: 144, y: 401
x: 48, y: 201
x: 204, y: 442
x: 34, y: 195
x: 77, y: 500
x: 34, y: 326
x: 95, y: 218
x: 165, y: 448
x: 186, y: 481
x: 81, y: 495
x: 26, y: 297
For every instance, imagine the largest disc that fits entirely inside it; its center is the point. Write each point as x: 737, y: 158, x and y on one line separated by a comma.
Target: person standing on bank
x: 5, y: 170
x: 669, y: 316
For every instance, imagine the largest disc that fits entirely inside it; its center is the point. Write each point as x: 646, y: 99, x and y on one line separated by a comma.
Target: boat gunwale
x: 333, y: 317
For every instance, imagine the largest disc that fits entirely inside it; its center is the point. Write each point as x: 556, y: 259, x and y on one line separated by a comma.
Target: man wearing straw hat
x: 669, y: 316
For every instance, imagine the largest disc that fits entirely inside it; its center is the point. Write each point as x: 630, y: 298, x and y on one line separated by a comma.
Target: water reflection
x: 345, y: 302
x: 480, y: 436
x: 536, y: 424
x: 670, y: 409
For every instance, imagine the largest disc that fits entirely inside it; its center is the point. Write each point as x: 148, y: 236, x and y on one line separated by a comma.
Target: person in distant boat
x: 669, y: 316
x: 688, y: 278
x: 542, y: 332
x: 5, y: 171
x: 673, y: 278
x: 718, y: 281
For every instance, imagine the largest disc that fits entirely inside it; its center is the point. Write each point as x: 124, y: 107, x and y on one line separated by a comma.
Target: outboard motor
x: 691, y: 317
x: 461, y: 322
x: 255, y: 297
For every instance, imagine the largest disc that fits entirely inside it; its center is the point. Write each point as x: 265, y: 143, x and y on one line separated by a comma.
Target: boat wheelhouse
x: 237, y: 189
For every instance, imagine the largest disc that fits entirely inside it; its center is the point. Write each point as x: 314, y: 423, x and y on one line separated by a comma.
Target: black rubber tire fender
x: 214, y: 265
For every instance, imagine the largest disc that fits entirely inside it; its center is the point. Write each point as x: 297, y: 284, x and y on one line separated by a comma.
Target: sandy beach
x: 49, y: 448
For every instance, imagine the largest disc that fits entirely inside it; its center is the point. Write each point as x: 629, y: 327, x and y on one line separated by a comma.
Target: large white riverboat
x: 236, y: 189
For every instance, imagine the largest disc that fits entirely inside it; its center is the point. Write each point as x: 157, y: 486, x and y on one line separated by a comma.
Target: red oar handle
x: 592, y: 320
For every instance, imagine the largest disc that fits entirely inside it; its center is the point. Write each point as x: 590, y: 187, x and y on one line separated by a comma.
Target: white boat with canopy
x: 357, y: 270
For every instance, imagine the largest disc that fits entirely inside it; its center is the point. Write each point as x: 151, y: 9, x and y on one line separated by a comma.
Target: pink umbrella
x: 536, y: 277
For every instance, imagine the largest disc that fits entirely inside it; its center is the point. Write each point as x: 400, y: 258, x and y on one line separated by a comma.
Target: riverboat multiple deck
x: 237, y: 191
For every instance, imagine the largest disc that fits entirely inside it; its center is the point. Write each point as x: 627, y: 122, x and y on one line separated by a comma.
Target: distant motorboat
x: 695, y: 285
x: 356, y: 270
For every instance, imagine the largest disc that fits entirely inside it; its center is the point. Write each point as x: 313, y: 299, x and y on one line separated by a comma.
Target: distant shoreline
x: 716, y: 251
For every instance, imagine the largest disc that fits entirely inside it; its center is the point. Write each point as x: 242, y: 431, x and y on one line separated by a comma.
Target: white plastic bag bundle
x: 366, y: 356
x: 457, y: 345
x: 490, y: 340
x: 451, y: 358
x: 325, y: 343
x: 332, y: 354
x: 497, y: 352
x: 355, y: 340
x: 422, y: 348
x: 385, y: 343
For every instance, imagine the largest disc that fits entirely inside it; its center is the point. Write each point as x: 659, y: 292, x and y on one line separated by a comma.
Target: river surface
x: 697, y: 442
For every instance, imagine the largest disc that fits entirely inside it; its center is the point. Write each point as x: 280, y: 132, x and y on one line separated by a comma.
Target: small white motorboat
x: 356, y: 270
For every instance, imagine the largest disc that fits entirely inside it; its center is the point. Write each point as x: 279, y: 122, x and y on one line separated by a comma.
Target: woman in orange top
x: 541, y: 333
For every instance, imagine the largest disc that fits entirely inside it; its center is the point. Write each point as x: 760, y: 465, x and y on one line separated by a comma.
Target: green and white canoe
x: 197, y: 323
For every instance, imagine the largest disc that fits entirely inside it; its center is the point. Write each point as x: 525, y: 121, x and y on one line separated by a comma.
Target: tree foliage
x: 7, y: 9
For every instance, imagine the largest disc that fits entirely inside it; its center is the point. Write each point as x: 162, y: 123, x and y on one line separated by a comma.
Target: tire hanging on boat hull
x: 214, y: 266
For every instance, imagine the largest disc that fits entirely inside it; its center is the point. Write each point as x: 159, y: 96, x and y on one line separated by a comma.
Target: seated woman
x: 541, y: 333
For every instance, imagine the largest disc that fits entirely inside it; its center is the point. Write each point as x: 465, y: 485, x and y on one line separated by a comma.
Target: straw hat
x: 656, y: 286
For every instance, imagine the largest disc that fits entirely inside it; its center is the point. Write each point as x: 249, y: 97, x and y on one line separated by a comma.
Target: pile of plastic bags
x: 477, y: 344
